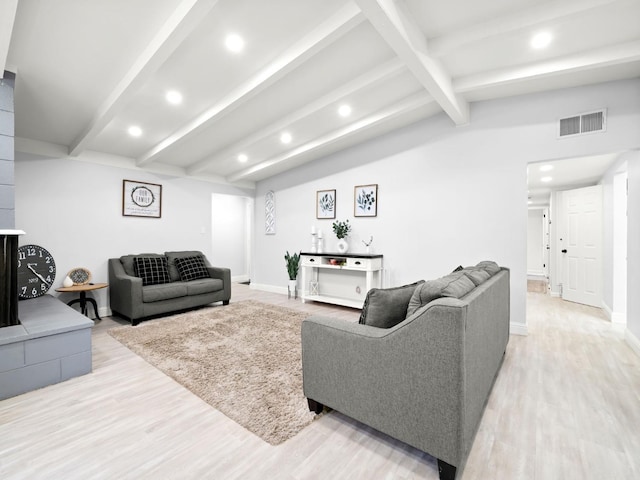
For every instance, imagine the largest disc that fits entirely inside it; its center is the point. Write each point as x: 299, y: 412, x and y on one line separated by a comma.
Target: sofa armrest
x: 125, y: 291
x: 223, y: 274
x: 406, y: 381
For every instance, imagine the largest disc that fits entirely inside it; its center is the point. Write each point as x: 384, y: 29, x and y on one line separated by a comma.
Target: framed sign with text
x: 141, y: 199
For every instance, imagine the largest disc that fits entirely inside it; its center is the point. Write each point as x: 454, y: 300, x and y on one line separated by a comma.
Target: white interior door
x: 582, y: 246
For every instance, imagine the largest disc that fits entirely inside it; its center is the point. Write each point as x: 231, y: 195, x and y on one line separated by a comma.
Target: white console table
x: 341, y: 279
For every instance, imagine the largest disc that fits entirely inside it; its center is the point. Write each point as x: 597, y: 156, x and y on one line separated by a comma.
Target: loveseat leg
x: 225, y: 302
x: 315, y: 406
x: 135, y: 322
x: 446, y: 471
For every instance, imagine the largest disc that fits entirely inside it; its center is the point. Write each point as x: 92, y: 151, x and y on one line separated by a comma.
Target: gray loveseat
x: 425, y: 380
x: 150, y: 284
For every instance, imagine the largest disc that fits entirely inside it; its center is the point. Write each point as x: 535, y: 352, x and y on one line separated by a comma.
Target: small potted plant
x: 342, y: 230
x: 293, y: 265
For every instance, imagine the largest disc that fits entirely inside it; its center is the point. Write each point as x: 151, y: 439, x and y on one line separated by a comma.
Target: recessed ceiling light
x: 546, y: 179
x: 344, y: 110
x: 286, y: 137
x: 234, y: 42
x: 541, y: 40
x: 242, y: 158
x: 174, y: 97
x: 546, y: 168
x: 135, y: 131
x: 530, y: 202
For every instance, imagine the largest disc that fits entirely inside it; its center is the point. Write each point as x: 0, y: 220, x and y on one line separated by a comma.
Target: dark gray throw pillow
x: 477, y: 275
x: 191, y: 268
x: 386, y: 307
x: 453, y: 285
x: 152, y: 270
x: 491, y: 267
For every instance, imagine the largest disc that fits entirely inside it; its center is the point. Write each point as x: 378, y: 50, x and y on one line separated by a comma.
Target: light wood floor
x: 566, y: 405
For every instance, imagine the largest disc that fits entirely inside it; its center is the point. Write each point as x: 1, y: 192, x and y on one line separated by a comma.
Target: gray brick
x: 7, y: 218
x: 7, y: 172
x: 11, y: 356
x: 43, y: 349
x: 7, y: 148
x: 32, y: 377
x: 6, y: 96
x: 7, y: 123
x: 7, y: 197
x: 75, y: 365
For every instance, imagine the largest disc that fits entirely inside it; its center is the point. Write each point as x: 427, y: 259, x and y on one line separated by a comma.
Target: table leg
x: 83, y: 304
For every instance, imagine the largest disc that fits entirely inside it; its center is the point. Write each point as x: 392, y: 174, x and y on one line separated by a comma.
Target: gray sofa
x: 162, y: 284
x: 424, y: 381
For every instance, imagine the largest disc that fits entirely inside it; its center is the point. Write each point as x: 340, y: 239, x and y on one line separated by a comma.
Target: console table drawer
x: 311, y: 261
x: 363, y: 263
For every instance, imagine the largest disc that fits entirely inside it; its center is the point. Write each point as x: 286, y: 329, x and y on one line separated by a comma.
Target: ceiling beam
x: 403, y: 35
x: 7, y: 18
x: 592, y: 59
x: 181, y: 23
x: 326, y: 33
x: 524, y: 19
x: 375, y: 75
x: 398, y: 108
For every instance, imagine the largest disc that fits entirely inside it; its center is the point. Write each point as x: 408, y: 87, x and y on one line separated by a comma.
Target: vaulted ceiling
x: 87, y: 71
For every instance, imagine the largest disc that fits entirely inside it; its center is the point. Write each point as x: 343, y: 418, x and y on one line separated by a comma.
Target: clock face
x: 36, y: 271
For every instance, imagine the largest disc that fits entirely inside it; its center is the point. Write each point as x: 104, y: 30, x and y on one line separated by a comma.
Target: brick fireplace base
x: 52, y: 344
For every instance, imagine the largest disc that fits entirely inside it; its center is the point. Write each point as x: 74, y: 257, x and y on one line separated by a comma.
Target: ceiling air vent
x: 590, y: 122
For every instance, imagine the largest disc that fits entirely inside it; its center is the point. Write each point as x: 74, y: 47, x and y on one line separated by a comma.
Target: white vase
x: 343, y: 246
x: 293, y: 288
x: 67, y: 282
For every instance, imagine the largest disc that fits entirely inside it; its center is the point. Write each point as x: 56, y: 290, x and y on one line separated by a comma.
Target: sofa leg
x: 135, y: 322
x: 315, y: 406
x: 446, y: 471
x: 225, y: 302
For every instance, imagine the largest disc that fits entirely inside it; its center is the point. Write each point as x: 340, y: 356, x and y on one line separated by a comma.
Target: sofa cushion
x: 152, y: 270
x: 163, y: 291
x: 127, y: 262
x: 204, y: 285
x: 171, y: 260
x: 192, y: 268
x: 386, y: 307
x: 453, y: 285
x: 477, y: 275
x: 491, y: 267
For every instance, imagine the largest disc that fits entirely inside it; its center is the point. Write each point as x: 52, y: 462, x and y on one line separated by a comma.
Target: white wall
x: 633, y: 252
x: 448, y: 195
x: 229, y: 234
x: 535, y: 242
x: 74, y: 210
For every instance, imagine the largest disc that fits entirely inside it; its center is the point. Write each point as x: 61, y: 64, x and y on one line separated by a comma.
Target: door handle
x: 564, y: 251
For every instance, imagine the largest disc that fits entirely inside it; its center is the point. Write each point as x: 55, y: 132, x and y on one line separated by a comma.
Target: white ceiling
x: 86, y: 71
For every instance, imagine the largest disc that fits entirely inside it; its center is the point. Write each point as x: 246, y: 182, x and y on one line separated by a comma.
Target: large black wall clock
x: 36, y: 271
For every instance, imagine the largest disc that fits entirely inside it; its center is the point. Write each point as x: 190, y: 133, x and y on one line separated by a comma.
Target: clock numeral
x: 31, y: 252
x: 34, y: 291
x: 24, y: 290
x: 47, y: 259
x: 21, y: 256
x: 51, y: 269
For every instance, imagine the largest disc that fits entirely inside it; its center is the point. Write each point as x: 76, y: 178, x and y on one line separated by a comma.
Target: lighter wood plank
x: 565, y: 405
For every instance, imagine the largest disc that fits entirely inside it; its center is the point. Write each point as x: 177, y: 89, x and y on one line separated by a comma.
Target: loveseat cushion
x: 204, y: 285
x: 386, y: 307
x: 191, y: 268
x: 163, y: 291
x: 152, y: 270
x: 173, y: 256
x: 453, y: 285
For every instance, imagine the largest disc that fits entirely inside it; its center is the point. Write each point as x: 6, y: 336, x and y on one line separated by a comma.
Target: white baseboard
x: 617, y: 319
x: 240, y: 278
x: 555, y: 294
x: 269, y: 288
x: 536, y: 275
x: 518, y: 329
x: 632, y: 341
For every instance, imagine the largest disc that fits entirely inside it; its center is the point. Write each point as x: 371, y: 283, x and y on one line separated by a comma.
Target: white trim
x: 269, y: 288
x: 632, y: 341
x: 518, y: 329
x: 240, y: 278
x: 617, y: 319
x: 555, y: 294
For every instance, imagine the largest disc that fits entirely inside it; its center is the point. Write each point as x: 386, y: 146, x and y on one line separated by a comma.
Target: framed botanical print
x: 141, y: 199
x: 365, y: 200
x: 326, y: 204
